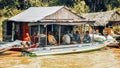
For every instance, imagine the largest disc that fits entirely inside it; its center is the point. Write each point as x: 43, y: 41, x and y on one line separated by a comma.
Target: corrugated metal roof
x: 34, y: 14
x: 102, y: 18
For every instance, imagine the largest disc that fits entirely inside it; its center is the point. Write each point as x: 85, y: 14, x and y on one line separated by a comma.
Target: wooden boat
x: 4, y: 49
x: 114, y: 43
x: 20, y: 48
x: 72, y: 48
x: 8, y: 45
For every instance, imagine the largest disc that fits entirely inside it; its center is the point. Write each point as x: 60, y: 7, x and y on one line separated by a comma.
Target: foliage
x: 10, y: 8
x: 81, y: 7
x: 8, y: 12
x: 102, y: 5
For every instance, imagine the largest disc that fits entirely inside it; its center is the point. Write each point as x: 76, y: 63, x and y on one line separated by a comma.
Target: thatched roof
x: 103, y: 18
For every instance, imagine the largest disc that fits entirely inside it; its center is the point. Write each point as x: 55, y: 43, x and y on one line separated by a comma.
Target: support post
x: 46, y: 34
x: 59, y: 33
x: 38, y: 33
x: 13, y: 27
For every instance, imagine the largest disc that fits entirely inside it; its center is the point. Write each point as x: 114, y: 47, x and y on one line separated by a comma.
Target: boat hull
x: 67, y: 49
x: 20, y: 48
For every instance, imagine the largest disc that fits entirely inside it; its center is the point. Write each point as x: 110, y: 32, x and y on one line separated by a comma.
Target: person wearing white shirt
x: 66, y: 38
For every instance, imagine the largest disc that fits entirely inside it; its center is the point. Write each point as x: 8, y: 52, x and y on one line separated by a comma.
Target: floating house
x: 36, y: 19
x: 104, y: 19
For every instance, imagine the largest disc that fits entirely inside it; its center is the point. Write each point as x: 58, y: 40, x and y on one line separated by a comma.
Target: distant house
x: 103, y: 18
x: 29, y: 18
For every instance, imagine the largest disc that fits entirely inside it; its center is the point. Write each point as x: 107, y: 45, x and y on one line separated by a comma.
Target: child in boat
x: 25, y: 45
x: 86, y: 38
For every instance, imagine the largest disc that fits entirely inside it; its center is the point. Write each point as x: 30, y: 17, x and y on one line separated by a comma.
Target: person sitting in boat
x: 66, y: 38
x: 87, y: 38
x: 25, y: 45
x: 71, y: 34
x: 77, y: 37
x: 111, y: 39
x: 112, y: 33
x: 34, y: 39
x: 43, y: 40
x: 27, y: 38
x: 97, y: 32
x: 51, y: 39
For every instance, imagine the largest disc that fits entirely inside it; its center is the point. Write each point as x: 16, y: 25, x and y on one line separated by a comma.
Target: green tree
x: 80, y: 8
x: 102, y: 5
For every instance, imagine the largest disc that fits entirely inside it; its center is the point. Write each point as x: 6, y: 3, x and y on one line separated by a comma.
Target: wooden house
x: 29, y: 20
x: 104, y: 19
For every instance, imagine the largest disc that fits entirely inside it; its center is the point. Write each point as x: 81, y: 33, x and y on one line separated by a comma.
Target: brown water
x: 109, y: 58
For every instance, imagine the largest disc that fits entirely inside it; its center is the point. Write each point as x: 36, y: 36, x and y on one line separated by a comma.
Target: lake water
x: 109, y: 58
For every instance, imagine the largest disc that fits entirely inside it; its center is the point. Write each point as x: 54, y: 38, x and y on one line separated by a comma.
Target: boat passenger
x: 97, y: 32
x: 77, y: 37
x: 66, y: 38
x: 112, y: 33
x: 27, y: 37
x: 24, y: 45
x: 43, y: 39
x: 51, y: 39
x: 71, y: 34
x: 34, y: 39
x: 86, y: 38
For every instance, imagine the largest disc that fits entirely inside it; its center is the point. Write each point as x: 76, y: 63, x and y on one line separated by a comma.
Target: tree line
x: 10, y: 8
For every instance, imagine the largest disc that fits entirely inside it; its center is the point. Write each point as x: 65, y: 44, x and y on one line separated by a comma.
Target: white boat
x: 72, y: 48
x: 66, y: 49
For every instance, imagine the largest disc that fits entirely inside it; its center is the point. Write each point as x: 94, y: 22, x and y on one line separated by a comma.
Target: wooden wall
x: 62, y: 14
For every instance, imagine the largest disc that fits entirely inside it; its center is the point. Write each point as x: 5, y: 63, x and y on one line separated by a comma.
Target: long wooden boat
x: 20, y: 48
x: 72, y: 48
x: 8, y: 45
x: 114, y: 44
